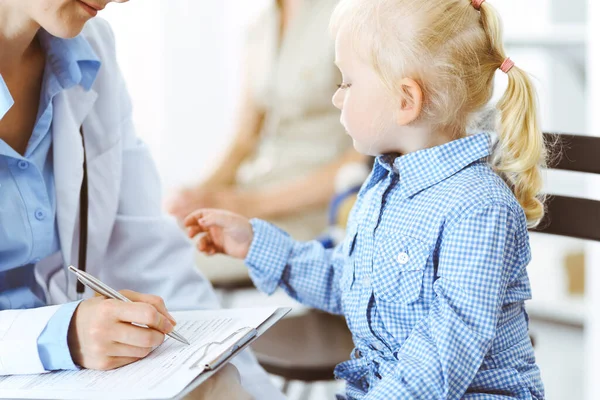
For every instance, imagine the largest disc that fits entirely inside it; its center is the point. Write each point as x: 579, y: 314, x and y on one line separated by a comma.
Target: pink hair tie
x: 507, y: 65
x: 477, y: 4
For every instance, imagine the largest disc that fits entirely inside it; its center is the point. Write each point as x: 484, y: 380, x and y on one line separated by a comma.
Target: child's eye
x: 344, y: 86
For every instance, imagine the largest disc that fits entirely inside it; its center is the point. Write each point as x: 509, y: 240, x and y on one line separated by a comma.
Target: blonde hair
x: 453, y: 51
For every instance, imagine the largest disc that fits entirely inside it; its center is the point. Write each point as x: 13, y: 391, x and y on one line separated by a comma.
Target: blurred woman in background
x: 289, y: 143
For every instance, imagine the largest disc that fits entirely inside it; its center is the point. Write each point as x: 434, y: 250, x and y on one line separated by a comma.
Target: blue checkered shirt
x: 431, y: 279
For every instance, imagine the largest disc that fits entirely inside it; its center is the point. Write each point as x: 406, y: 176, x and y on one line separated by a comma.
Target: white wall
x: 181, y: 60
x: 139, y: 30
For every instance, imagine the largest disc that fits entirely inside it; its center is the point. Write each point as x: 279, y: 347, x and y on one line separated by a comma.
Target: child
x: 431, y: 276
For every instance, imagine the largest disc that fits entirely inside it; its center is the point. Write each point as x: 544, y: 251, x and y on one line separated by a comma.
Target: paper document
x: 161, y: 375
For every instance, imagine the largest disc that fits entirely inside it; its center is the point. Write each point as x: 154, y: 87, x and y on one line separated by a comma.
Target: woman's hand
x: 187, y: 200
x: 101, y: 335
x: 226, y: 232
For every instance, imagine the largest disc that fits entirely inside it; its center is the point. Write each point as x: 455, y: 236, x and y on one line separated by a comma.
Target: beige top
x: 293, y: 83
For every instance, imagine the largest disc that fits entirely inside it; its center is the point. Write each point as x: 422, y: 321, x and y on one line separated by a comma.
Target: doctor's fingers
x: 134, y: 336
x: 151, y: 299
x: 108, y: 363
x: 115, y: 349
x: 139, y: 313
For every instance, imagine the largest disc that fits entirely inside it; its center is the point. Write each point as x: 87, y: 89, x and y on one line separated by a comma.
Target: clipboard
x: 179, y: 381
x: 213, y: 366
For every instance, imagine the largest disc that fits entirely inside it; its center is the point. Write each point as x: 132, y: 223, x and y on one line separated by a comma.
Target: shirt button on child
x: 403, y: 258
x: 376, y: 346
x: 366, y: 281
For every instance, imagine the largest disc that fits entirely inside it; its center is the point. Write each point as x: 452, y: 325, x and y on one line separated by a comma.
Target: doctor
x: 57, y: 86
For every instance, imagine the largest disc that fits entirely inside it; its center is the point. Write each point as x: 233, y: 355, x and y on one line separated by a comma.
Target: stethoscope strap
x: 83, y: 218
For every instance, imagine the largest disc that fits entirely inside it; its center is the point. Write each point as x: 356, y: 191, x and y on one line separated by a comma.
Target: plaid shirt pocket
x: 398, y: 269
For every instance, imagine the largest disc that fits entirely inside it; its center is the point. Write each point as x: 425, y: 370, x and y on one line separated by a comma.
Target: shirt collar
x: 6, y: 100
x: 72, y: 61
x: 425, y: 168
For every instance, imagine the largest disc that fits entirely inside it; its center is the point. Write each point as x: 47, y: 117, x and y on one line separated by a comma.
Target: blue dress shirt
x: 431, y: 278
x: 28, y: 229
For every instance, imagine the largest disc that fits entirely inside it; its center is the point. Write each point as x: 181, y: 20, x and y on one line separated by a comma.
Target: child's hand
x: 226, y: 232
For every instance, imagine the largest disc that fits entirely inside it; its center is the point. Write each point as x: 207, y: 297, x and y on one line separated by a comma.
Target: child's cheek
x: 360, y: 121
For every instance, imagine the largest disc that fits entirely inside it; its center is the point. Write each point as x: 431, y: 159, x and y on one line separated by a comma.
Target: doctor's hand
x: 101, y: 335
x: 225, y: 232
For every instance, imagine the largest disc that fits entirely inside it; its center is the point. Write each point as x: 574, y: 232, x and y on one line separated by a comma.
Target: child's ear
x: 411, y: 102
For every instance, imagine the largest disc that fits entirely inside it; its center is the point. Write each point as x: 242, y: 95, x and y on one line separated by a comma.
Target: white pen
x: 101, y: 288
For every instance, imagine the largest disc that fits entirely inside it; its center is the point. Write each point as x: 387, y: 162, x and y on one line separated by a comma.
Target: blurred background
x: 190, y: 54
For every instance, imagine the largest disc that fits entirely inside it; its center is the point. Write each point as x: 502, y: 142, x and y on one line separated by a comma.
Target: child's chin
x: 364, y: 149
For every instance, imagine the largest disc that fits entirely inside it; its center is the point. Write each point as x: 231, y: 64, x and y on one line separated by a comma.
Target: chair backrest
x: 572, y: 216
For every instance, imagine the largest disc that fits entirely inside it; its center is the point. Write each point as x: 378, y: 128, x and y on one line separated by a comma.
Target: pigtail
x: 521, y: 152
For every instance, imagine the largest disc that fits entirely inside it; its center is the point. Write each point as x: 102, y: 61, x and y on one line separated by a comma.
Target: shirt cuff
x: 268, y: 255
x: 52, y: 343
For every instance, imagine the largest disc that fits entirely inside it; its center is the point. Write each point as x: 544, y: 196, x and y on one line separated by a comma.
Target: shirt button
x: 23, y: 164
x: 376, y: 346
x: 366, y: 281
x: 403, y: 258
x: 40, y: 214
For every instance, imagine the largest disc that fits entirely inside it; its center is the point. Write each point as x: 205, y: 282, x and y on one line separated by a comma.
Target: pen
x: 101, y: 288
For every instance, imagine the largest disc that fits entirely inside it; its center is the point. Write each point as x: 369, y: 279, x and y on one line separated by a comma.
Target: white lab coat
x: 131, y: 243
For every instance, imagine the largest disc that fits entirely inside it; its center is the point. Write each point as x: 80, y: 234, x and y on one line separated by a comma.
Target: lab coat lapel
x: 71, y: 108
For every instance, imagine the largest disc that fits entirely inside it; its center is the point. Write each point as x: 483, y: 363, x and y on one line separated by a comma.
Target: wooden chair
x: 305, y: 348
x: 573, y: 216
x: 233, y: 285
